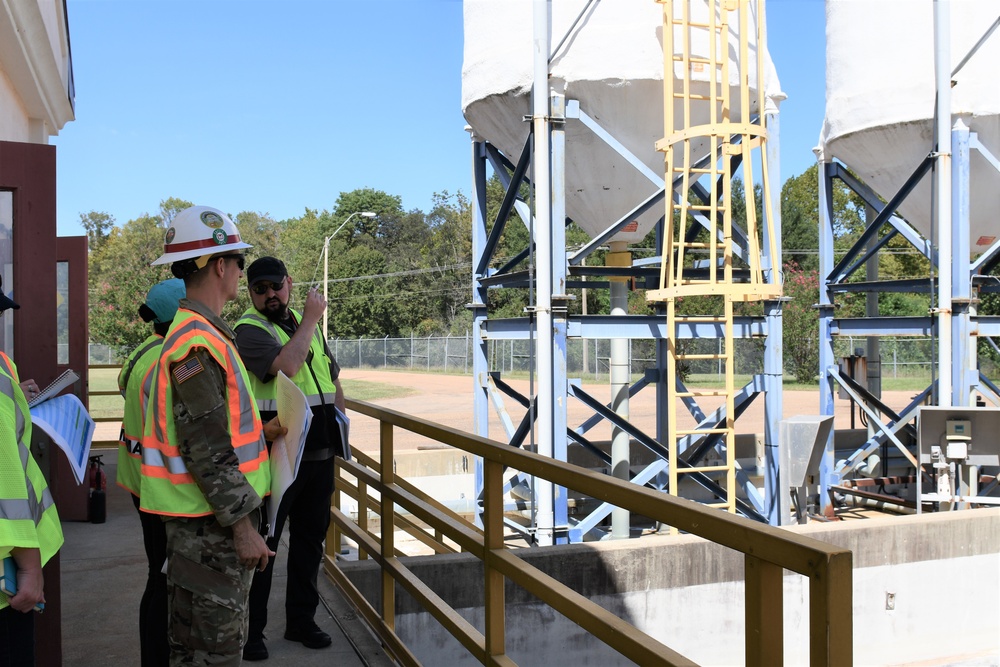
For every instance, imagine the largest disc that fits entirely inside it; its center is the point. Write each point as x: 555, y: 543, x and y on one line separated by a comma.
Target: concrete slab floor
x: 104, y: 574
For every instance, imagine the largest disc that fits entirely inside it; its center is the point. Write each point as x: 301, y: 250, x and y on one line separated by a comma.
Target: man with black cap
x: 134, y: 383
x: 272, y: 337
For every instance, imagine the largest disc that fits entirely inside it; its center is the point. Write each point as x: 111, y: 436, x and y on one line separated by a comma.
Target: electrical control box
x: 958, y: 429
x: 970, y: 435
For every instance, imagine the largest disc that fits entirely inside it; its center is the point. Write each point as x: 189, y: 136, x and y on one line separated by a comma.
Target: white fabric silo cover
x: 880, y: 97
x: 612, y: 65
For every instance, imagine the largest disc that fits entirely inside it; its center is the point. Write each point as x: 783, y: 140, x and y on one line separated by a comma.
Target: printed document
x: 286, y: 451
x: 67, y: 422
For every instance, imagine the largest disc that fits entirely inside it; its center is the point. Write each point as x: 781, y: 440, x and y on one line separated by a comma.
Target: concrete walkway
x: 104, y: 574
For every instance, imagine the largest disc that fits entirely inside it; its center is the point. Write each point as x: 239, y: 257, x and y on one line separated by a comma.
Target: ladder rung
x: 711, y: 319
x: 679, y: 58
x: 722, y: 357
x: 696, y: 394
x: 717, y: 505
x: 703, y: 207
x: 692, y: 24
x: 693, y: 170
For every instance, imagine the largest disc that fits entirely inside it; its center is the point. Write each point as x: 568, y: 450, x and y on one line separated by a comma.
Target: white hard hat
x: 199, y: 231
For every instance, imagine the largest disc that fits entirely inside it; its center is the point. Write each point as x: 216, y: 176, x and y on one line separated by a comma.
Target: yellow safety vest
x: 135, y: 382
x: 167, y: 486
x: 313, y: 378
x: 28, y: 516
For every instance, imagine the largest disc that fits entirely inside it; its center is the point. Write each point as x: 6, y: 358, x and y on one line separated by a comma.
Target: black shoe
x: 309, y: 636
x: 255, y: 650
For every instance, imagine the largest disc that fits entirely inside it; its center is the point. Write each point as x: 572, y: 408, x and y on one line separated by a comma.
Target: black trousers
x: 153, y: 647
x: 17, y: 638
x: 306, y: 506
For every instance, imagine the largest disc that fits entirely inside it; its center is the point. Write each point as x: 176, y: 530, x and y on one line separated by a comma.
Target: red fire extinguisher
x: 98, y: 490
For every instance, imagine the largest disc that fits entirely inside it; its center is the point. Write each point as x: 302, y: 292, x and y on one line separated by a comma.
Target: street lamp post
x: 326, y: 264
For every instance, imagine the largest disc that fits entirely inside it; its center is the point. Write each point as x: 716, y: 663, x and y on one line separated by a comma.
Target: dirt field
x: 447, y: 399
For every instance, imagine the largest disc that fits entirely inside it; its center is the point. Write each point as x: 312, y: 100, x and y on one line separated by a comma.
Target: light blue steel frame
x: 489, y: 390
x: 967, y: 281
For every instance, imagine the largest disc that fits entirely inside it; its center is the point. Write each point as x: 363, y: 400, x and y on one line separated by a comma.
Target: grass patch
x: 362, y: 390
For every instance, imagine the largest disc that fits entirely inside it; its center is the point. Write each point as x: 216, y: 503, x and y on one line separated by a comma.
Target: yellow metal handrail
x: 767, y: 550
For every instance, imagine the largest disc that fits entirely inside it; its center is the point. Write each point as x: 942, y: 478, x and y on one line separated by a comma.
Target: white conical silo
x: 880, y: 99
x: 612, y: 64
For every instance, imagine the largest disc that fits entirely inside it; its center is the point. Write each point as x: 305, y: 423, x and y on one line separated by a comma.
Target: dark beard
x: 276, y: 314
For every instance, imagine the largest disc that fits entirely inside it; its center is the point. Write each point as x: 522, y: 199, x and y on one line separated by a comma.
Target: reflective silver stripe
x: 321, y: 399
x: 22, y: 508
x: 7, y: 387
x: 135, y: 358
x: 16, y: 509
x: 172, y: 464
x: 175, y: 465
x: 147, y: 387
x: 314, y: 401
x: 263, y: 321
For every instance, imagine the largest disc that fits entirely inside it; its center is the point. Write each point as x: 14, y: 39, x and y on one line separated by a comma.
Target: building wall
x: 13, y: 115
x: 36, y: 65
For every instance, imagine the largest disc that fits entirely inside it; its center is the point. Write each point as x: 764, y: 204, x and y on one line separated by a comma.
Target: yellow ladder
x: 703, y: 114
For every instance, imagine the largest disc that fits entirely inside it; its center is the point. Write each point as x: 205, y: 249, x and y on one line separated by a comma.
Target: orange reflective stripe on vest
x: 167, y: 485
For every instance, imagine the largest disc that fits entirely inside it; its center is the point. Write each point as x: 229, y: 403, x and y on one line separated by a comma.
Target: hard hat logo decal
x: 212, y: 219
x: 171, y: 233
x: 219, y: 236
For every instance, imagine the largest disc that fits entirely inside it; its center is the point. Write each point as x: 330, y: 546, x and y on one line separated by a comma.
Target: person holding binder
x: 134, y: 382
x: 30, y: 532
x: 272, y: 337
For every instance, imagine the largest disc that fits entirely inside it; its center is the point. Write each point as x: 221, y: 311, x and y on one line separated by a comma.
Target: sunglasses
x: 264, y: 285
x: 240, y: 259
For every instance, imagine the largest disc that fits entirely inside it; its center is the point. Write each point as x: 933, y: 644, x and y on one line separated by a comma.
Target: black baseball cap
x: 5, y: 301
x: 266, y: 268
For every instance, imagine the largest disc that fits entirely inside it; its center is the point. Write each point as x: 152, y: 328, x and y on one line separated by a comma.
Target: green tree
x: 122, y: 277
x: 800, y: 323
x: 447, y: 258
x: 120, y: 271
x: 800, y: 218
x: 97, y: 224
x: 263, y: 233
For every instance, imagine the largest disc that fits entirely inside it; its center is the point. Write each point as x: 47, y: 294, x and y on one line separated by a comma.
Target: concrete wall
x: 926, y: 589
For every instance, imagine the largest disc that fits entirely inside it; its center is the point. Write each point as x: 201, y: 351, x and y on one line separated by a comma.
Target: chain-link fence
x: 900, y: 356
x: 102, y: 354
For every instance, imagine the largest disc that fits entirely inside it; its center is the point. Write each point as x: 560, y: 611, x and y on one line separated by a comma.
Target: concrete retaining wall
x: 926, y: 589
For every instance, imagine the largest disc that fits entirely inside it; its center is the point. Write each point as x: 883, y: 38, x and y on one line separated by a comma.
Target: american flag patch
x: 187, y: 370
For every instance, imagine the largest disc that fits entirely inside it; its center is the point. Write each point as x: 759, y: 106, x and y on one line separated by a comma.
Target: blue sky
x: 276, y: 106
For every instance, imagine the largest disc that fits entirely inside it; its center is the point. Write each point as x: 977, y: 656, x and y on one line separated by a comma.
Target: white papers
x: 66, y: 421
x: 68, y: 377
x: 286, y: 451
x: 344, y: 424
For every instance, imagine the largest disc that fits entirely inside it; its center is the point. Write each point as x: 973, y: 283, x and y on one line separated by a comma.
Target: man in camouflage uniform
x: 205, y: 465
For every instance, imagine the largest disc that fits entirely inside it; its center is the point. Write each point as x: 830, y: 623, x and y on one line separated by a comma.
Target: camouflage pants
x: 207, y: 589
